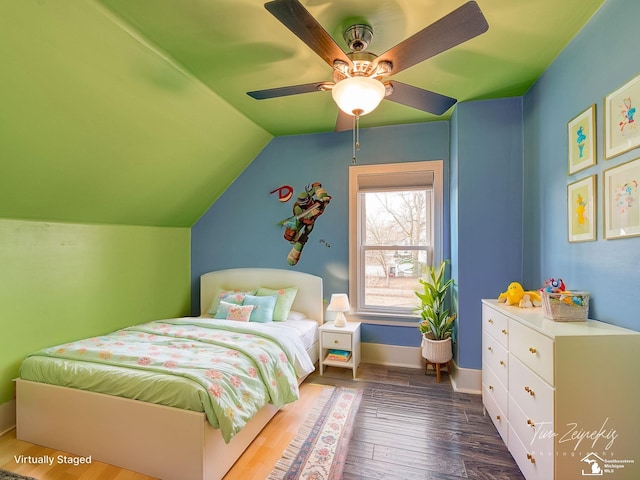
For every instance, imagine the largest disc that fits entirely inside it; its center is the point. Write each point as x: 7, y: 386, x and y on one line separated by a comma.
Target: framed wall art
x: 581, y: 211
x: 621, y: 132
x: 581, y: 136
x: 621, y: 200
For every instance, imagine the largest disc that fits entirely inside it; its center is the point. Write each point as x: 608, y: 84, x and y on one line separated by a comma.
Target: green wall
x: 61, y: 282
x: 99, y: 126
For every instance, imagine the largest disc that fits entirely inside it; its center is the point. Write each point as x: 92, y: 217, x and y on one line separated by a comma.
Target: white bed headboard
x: 308, y: 299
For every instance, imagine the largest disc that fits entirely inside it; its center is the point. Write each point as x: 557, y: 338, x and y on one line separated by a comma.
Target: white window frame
x: 356, y: 269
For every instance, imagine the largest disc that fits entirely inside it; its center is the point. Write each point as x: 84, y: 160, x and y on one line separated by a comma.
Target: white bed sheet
x: 308, y: 330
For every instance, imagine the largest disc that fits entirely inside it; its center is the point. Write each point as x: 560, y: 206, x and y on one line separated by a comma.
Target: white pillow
x: 293, y: 315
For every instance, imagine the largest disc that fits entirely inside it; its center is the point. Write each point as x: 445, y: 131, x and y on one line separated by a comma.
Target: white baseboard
x: 466, y: 380
x: 392, y: 355
x: 7, y: 416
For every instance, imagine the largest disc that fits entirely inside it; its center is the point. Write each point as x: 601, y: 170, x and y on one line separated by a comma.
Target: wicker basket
x: 566, y: 306
x: 437, y: 351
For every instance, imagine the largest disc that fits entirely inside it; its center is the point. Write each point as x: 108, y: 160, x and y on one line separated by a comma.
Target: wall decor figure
x: 309, y: 205
x: 285, y: 192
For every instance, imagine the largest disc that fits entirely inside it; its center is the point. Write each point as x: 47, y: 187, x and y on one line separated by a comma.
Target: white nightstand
x: 340, y: 338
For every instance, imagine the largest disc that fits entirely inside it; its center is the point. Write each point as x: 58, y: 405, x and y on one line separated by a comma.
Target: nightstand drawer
x: 336, y: 340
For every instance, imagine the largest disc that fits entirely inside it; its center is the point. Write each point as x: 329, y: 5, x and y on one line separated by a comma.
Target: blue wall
x: 600, y: 59
x: 241, y: 229
x: 486, y: 212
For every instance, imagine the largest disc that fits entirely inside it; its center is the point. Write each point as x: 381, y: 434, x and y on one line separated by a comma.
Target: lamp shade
x: 339, y: 303
x: 358, y: 95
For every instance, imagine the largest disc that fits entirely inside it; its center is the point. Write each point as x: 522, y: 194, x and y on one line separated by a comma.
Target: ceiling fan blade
x: 302, y: 24
x: 453, y: 29
x: 415, y: 97
x: 286, y: 91
x: 343, y: 122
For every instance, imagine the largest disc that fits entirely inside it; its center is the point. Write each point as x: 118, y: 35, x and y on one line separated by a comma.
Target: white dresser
x: 564, y: 396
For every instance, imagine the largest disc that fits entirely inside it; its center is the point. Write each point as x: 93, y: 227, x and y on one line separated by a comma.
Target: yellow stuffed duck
x: 515, y: 295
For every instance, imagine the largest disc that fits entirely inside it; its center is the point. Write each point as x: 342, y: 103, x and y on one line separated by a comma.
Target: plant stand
x: 437, y: 367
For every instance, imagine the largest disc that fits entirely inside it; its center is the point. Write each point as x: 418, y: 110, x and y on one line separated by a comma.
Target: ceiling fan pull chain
x: 356, y: 135
x: 353, y: 133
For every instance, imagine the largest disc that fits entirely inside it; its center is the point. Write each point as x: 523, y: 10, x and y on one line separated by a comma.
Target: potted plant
x: 436, y: 324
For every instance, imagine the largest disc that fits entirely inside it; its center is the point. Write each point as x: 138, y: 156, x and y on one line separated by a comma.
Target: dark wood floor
x: 410, y: 427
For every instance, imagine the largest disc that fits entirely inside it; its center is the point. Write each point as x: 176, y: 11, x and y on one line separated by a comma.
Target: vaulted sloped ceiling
x: 99, y: 125
x: 135, y: 111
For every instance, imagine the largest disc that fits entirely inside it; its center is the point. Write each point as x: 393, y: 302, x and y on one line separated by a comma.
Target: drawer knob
x: 502, y: 362
x: 490, y: 387
x: 530, y: 423
x: 498, y: 417
x: 532, y: 350
x: 335, y: 341
x: 490, y: 349
x: 490, y: 320
x: 529, y: 391
x: 530, y: 458
x: 504, y: 331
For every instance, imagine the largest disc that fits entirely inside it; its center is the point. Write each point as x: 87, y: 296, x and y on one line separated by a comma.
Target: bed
x: 167, y: 442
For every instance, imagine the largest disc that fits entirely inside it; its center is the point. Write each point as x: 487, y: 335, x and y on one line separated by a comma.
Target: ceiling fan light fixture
x: 358, y: 95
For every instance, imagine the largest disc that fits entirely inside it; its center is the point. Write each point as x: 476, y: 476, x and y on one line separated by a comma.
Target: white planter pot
x: 437, y: 351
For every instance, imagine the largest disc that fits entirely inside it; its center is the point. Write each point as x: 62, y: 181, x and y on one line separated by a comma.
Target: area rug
x: 4, y: 475
x: 319, y: 450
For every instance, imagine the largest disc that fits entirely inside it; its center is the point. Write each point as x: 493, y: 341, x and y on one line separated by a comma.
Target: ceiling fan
x: 360, y: 77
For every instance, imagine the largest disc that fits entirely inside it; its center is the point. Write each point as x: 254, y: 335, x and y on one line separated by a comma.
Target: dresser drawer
x: 533, y: 394
x: 534, y: 349
x: 537, y: 434
x: 533, y: 464
x: 496, y: 324
x: 341, y: 341
x: 498, y: 417
x: 497, y: 390
x: 496, y: 357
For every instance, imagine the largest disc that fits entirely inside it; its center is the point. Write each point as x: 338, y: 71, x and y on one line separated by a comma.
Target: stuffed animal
x: 515, y: 295
x: 553, y: 285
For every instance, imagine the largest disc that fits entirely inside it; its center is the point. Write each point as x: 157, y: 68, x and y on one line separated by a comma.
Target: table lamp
x: 339, y: 303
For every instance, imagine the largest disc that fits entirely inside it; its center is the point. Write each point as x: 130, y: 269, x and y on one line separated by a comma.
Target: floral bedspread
x: 241, y: 366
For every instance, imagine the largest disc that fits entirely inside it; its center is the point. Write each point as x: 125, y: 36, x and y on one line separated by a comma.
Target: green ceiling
x: 135, y: 112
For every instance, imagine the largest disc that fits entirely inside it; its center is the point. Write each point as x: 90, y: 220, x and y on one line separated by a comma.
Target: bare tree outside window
x: 396, y: 245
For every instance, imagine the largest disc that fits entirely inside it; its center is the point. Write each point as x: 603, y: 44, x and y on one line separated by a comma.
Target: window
x: 395, y: 218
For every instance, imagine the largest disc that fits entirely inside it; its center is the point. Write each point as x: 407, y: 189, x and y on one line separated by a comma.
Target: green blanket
x: 241, y: 366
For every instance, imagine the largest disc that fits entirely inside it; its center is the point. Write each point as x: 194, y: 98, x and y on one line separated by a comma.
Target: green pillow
x: 264, y: 307
x: 284, y: 301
